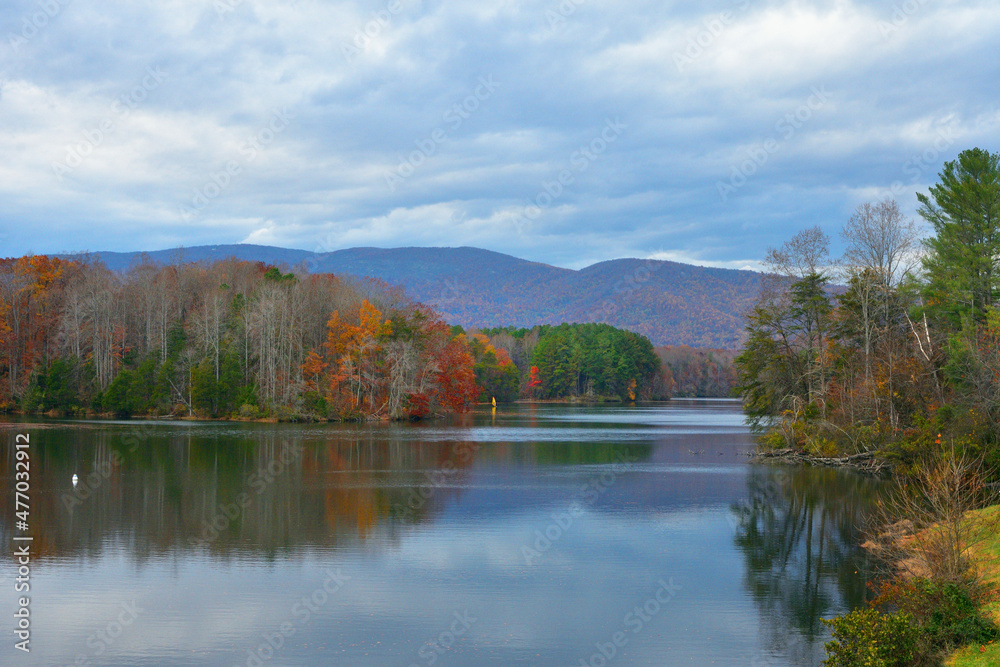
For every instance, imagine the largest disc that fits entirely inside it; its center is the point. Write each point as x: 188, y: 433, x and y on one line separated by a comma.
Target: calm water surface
x: 545, y: 535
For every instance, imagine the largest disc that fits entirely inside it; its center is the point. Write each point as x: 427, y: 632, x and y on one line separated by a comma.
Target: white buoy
x: 75, y: 480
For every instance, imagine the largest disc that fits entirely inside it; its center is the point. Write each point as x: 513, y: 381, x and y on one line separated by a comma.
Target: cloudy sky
x: 563, y: 131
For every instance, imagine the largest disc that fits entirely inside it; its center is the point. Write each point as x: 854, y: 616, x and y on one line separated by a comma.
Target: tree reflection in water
x: 234, y: 491
x: 799, y: 530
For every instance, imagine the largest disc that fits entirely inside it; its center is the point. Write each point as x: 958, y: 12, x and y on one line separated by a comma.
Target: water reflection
x: 798, y: 530
x: 270, y: 491
x: 548, y: 524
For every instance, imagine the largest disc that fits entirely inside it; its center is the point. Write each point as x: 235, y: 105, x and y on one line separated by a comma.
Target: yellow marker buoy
x: 494, y: 401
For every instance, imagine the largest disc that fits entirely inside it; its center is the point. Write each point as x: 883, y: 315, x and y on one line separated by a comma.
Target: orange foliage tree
x: 29, y: 290
x: 355, y: 352
x: 220, y: 337
x: 369, y: 367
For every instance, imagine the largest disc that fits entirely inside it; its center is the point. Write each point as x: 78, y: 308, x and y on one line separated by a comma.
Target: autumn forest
x: 244, y: 340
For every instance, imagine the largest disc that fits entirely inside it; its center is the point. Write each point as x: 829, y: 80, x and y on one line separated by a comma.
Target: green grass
x: 987, y: 557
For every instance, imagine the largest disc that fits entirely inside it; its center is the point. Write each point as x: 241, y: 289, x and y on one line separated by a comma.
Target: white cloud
x: 654, y: 191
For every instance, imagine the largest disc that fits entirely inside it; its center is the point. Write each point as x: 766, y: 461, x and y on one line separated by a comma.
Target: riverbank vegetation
x: 985, y: 557
x: 900, y: 361
x: 938, y: 591
x: 904, y: 358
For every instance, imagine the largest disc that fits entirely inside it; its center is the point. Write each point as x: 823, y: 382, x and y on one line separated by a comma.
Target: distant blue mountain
x: 671, y: 303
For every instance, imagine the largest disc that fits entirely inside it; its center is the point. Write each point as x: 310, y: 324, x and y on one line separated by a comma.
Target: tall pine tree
x: 963, y: 262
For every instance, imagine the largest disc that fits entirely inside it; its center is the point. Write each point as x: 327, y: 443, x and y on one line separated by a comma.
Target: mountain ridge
x: 669, y: 302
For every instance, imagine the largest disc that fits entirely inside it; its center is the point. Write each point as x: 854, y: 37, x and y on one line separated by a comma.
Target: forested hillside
x: 235, y: 338
x: 700, y: 372
x: 219, y: 339
x: 668, y: 302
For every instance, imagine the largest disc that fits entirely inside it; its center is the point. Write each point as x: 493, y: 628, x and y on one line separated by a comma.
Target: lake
x: 539, y: 535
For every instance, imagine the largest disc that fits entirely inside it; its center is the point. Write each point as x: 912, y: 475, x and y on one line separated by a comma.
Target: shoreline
x: 89, y: 415
x: 866, y: 462
x: 293, y: 419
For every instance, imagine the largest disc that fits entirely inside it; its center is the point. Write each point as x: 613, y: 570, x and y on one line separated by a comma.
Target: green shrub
x: 949, y: 616
x: 118, y: 398
x: 55, y: 388
x: 869, y: 638
x: 248, y: 411
x: 314, y: 404
x: 283, y: 413
x: 943, y: 616
x: 247, y: 395
x: 772, y: 439
x: 820, y: 446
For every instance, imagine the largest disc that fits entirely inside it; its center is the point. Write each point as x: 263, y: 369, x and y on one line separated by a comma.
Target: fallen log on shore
x: 865, y: 461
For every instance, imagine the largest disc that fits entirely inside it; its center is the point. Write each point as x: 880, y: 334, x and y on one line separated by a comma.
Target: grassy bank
x: 986, y: 555
x: 938, y: 539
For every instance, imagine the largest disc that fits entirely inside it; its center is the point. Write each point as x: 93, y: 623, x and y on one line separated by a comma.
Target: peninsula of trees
x: 906, y: 360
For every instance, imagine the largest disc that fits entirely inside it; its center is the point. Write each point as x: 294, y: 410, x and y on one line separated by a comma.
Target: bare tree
x: 149, y: 306
x: 803, y: 254
x: 936, y: 509
x: 264, y: 335
x: 404, y: 376
x: 881, y: 245
x: 801, y: 261
x: 101, y: 305
x: 210, y: 320
x: 881, y: 239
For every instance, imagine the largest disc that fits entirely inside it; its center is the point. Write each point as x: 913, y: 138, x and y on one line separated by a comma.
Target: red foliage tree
x: 456, y: 378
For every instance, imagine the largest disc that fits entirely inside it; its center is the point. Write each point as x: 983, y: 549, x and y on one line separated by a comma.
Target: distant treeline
x: 242, y: 339
x: 699, y: 372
